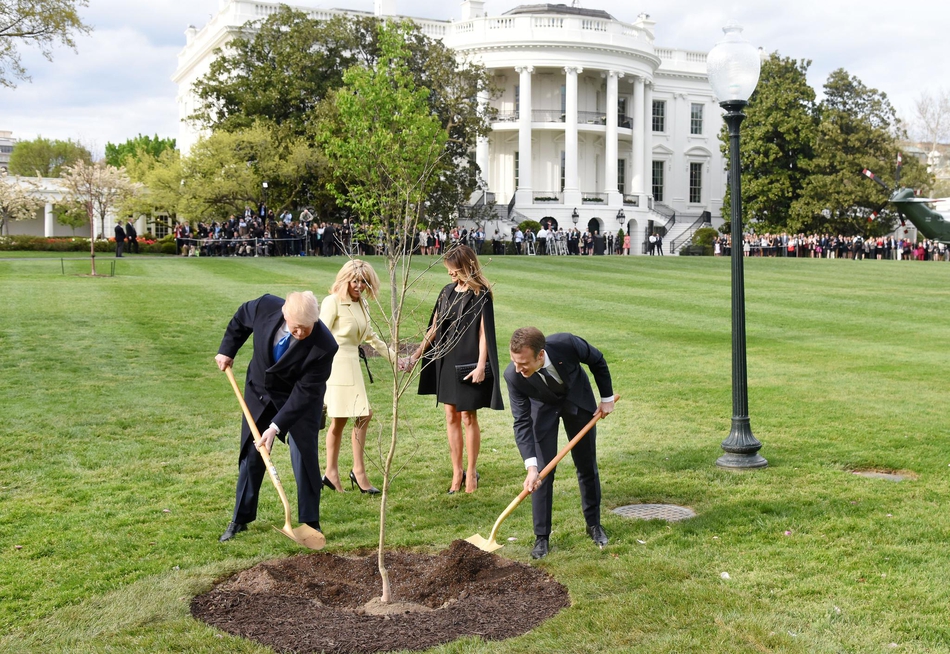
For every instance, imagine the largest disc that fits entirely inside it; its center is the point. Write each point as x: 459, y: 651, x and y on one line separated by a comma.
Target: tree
x: 385, y: 150
x: 119, y: 155
x: 778, y: 143
x: 858, y: 128
x: 224, y: 172
x: 278, y: 71
x: 98, y: 189
x: 46, y: 158
x: 17, y: 200
x: 40, y: 23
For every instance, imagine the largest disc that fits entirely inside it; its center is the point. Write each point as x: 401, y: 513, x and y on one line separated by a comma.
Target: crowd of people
x: 305, y: 359
x: 826, y: 246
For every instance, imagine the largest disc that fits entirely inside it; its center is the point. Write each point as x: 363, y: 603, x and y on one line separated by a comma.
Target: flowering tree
x: 17, y: 199
x: 97, y: 189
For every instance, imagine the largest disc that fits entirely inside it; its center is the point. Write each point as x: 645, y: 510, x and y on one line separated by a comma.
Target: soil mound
x: 321, y: 602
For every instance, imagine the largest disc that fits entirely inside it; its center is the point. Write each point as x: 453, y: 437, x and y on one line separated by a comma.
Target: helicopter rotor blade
x: 880, y: 208
x: 867, y: 173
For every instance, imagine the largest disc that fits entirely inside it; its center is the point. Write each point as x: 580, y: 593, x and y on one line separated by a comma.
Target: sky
x: 118, y: 82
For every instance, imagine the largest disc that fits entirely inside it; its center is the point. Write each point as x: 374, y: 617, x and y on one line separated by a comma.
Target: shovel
x: 489, y: 544
x: 304, y: 534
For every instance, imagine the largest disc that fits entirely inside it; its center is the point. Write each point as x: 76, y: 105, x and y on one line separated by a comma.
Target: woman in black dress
x: 461, y: 366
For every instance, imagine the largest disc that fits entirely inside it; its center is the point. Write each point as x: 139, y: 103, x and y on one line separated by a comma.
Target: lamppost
x: 575, y: 216
x: 264, y: 186
x: 733, y: 69
x: 620, y: 217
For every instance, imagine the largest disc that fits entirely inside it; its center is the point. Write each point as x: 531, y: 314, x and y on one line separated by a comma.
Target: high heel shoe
x: 372, y: 490
x: 329, y: 484
x: 478, y: 478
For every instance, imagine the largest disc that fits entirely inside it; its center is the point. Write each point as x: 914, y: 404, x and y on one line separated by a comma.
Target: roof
x: 559, y: 9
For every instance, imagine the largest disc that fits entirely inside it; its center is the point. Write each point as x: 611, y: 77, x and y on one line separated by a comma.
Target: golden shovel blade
x: 305, y: 535
x: 484, y: 544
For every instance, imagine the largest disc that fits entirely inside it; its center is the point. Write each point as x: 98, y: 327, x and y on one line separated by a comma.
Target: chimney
x: 473, y: 9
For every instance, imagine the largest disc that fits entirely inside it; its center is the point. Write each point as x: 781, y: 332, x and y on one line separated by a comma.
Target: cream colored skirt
x: 346, y: 391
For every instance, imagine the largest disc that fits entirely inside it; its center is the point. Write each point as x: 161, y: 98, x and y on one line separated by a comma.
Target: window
x: 696, y: 118
x: 621, y: 174
x: 563, y: 100
x: 695, y: 182
x: 658, y: 181
x: 659, y: 115
x: 622, y: 120
x: 516, y: 171
x: 517, y: 101
x: 563, y: 160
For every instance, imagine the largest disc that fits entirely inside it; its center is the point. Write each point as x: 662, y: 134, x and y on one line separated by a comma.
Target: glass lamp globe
x: 733, y: 66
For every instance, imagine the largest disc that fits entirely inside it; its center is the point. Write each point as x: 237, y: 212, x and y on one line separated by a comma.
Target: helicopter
x: 933, y: 224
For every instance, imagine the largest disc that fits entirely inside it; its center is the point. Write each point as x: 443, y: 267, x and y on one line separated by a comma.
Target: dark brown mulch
x: 320, y: 602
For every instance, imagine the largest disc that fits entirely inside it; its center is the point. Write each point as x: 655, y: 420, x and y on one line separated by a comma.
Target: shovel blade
x: 306, y: 536
x: 483, y: 543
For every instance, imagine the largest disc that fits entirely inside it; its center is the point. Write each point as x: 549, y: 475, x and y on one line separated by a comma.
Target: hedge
x: 79, y: 244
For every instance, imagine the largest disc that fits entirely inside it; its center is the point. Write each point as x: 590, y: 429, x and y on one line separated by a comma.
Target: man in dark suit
x: 119, y: 239
x: 546, y: 383
x: 133, y: 237
x: 284, y: 389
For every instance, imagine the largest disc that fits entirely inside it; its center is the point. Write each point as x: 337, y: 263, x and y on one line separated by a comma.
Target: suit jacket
x: 119, y: 233
x: 294, y: 386
x: 567, y: 352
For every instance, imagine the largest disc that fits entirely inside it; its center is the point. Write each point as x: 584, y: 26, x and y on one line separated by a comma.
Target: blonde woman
x: 346, y: 314
x: 461, y: 336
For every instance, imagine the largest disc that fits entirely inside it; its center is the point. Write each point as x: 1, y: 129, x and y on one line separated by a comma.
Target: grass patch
x: 121, y: 444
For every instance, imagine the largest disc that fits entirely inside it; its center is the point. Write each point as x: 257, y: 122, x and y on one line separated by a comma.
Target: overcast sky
x: 118, y: 84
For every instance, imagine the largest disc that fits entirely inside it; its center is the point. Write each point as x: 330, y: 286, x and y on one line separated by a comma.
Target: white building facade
x: 597, y: 127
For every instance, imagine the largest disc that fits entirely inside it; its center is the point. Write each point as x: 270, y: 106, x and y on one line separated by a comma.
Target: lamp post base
x: 736, y: 461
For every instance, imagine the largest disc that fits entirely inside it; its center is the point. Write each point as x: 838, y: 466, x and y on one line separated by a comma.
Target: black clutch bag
x: 463, y: 369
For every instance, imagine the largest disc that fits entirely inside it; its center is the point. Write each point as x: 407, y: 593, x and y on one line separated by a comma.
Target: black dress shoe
x: 596, y: 533
x: 540, y: 549
x: 233, y: 529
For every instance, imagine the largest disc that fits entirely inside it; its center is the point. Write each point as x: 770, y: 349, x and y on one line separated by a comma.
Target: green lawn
x: 120, y: 439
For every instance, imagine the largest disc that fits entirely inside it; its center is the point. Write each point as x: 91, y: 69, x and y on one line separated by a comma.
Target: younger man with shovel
x: 286, y: 382
x: 546, y: 385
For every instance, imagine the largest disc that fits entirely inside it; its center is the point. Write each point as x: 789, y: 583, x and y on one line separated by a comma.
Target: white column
x: 610, y: 154
x: 639, y: 133
x: 524, y: 191
x: 572, y: 190
x: 648, y: 137
x: 481, y: 145
x: 48, y: 220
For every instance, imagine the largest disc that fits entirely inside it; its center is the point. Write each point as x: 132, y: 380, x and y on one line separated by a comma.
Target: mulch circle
x: 322, y: 602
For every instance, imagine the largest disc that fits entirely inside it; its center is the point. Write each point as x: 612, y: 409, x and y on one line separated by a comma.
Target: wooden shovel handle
x: 259, y: 444
x: 547, y: 469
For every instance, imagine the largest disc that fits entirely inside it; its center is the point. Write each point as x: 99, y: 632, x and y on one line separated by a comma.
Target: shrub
x: 534, y: 225
x: 705, y: 236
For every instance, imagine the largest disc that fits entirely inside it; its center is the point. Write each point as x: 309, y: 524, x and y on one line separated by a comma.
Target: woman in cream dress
x: 346, y: 314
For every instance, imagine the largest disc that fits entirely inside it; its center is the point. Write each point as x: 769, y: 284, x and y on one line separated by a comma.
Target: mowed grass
x: 120, y: 446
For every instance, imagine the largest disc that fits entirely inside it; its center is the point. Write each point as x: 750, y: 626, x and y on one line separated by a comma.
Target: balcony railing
x: 547, y: 116
x: 507, y: 116
x: 591, y: 117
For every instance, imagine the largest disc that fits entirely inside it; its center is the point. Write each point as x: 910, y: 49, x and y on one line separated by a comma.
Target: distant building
x: 6, y: 148
x: 598, y: 128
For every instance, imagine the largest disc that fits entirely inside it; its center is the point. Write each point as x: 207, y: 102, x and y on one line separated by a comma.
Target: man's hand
x: 605, y: 408
x: 531, y: 481
x: 267, y: 438
x: 224, y: 362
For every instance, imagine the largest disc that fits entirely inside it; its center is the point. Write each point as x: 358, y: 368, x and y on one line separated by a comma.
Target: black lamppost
x: 575, y: 216
x: 264, y: 186
x: 733, y: 68
x: 620, y: 217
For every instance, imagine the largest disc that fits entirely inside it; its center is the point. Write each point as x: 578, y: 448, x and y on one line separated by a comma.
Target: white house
x: 597, y: 126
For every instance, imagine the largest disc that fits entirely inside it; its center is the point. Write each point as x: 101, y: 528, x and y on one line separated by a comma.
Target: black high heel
x: 329, y: 484
x: 372, y: 490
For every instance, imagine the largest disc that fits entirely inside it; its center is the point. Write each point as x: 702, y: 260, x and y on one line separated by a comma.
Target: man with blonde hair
x: 284, y: 389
